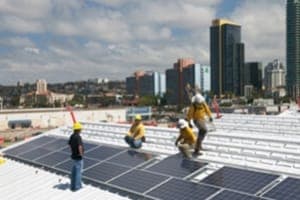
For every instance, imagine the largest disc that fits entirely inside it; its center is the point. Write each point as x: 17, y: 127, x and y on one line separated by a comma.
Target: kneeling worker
x: 186, y: 140
x: 136, y: 134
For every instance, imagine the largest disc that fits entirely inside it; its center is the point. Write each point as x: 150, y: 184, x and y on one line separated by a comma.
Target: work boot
x: 196, y: 153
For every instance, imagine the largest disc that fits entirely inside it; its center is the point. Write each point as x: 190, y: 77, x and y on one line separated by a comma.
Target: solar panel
x: 53, y: 158
x: 131, y: 158
x: 29, y: 146
x: 34, y: 154
x: 176, y: 166
x: 179, y: 189
x: 102, y: 152
x: 229, y: 195
x: 56, y: 145
x: 88, y: 146
x: 288, y: 189
x: 104, y: 171
x: 67, y: 165
x: 239, y: 179
x: 138, y: 181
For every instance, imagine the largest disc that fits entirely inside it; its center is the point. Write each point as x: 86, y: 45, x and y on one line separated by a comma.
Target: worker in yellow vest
x: 136, y: 134
x: 186, y: 140
x: 197, y: 113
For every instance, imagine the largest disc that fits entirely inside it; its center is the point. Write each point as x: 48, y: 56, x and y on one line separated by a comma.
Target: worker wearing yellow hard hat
x: 77, y: 126
x: 76, y: 145
x: 136, y: 134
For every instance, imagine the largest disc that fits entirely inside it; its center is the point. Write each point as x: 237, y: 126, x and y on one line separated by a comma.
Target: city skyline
x: 81, y: 39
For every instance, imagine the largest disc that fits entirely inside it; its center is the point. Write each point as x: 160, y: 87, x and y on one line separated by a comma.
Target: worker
x: 136, y: 134
x: 186, y: 140
x: 197, y: 113
x: 76, y: 145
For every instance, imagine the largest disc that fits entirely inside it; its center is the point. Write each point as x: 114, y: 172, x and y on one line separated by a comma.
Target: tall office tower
x: 293, y: 47
x: 275, y: 79
x: 41, y: 87
x: 253, y: 75
x: 226, y: 58
x: 174, y: 78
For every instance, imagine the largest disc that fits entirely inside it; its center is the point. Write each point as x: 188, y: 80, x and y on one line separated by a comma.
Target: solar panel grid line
x: 34, y: 154
x: 156, y: 186
x: 215, y: 194
x: 21, y: 148
x: 239, y: 179
x: 104, y: 171
x: 66, y: 166
x: 53, y: 158
x: 269, y: 186
x: 195, y: 173
x: 104, y: 152
x: 105, y: 160
x: 178, y: 189
x: 132, y: 158
x: 176, y: 166
x: 234, y: 195
x: 138, y: 180
x: 288, y: 189
x: 115, y: 177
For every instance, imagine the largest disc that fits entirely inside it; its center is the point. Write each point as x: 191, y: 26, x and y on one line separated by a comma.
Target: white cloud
x: 263, y: 29
x: 16, y: 42
x: 32, y: 50
x: 65, y: 40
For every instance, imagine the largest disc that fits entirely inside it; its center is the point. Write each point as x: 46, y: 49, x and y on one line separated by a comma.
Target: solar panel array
x: 142, y: 174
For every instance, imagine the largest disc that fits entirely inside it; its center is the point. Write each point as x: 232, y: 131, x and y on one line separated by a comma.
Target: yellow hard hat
x: 77, y: 126
x: 138, y: 117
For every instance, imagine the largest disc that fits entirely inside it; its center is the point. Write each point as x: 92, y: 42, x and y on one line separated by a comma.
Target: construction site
x: 244, y: 156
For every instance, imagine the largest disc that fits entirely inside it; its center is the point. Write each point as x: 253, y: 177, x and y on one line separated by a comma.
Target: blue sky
x: 80, y: 39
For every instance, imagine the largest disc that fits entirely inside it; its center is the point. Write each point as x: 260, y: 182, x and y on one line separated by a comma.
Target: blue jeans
x: 132, y: 142
x: 76, y: 175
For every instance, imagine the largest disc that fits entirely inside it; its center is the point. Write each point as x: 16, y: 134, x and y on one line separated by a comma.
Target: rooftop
x: 245, y: 156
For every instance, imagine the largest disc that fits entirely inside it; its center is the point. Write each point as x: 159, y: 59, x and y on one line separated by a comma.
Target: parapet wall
x: 55, y: 118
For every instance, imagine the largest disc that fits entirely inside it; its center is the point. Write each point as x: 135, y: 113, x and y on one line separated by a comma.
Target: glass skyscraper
x: 226, y: 58
x: 293, y: 47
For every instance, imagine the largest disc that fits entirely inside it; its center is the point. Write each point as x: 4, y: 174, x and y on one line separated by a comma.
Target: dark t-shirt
x: 74, y: 142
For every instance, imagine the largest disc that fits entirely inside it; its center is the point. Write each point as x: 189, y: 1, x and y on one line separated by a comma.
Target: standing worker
x: 186, y: 139
x: 197, y: 112
x: 136, y: 134
x: 77, y: 150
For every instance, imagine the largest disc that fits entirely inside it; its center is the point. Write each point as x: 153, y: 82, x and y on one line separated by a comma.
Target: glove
x: 211, y: 119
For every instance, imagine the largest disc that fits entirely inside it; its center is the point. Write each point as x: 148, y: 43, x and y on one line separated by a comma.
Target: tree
x: 147, y: 101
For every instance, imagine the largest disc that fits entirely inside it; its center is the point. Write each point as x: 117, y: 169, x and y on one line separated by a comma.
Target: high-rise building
x: 152, y: 84
x: 198, y: 77
x: 275, y: 79
x: 253, y: 75
x: 226, y: 58
x: 174, y: 81
x: 146, y: 83
x: 133, y: 83
x: 293, y: 47
x: 41, y: 87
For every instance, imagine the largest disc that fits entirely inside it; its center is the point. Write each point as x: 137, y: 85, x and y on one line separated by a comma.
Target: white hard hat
x: 198, y: 98
x: 182, y: 123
